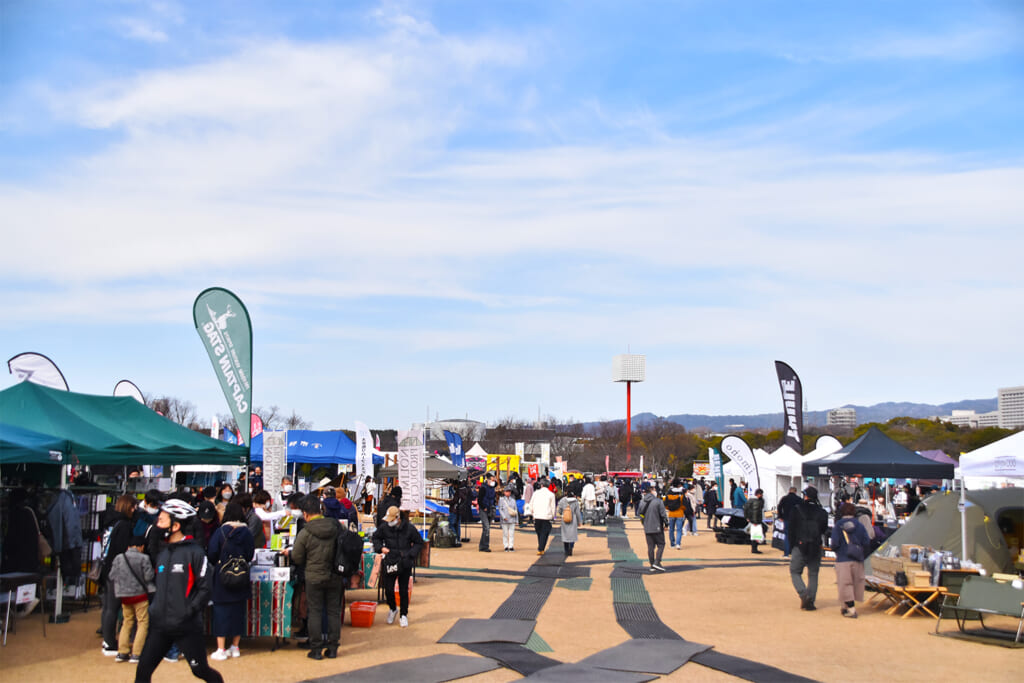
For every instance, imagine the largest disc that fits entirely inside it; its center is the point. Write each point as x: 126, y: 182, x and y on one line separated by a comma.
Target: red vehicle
x: 624, y: 475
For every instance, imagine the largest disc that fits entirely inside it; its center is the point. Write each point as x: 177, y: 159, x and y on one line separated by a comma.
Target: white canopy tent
x: 996, y: 464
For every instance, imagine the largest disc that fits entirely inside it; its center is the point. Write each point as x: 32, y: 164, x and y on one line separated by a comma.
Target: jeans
x: 543, y: 528
x: 655, y: 541
x: 192, y: 643
x: 402, y: 578
x: 455, y: 524
x: 691, y: 524
x: 485, y: 530
x: 325, y: 599
x: 812, y: 562
x: 675, y: 530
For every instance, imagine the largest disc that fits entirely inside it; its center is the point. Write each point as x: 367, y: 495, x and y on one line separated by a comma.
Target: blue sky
x: 473, y: 206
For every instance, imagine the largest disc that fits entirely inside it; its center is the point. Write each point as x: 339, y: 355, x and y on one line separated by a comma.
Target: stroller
x: 730, y: 526
x: 595, y: 516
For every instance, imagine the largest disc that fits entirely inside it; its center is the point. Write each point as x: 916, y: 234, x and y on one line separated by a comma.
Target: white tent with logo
x: 994, y: 465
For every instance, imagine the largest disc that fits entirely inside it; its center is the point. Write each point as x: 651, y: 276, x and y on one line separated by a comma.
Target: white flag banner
x: 275, y: 461
x: 38, y: 369
x: 740, y: 453
x: 545, y: 453
x: 411, y: 476
x: 215, y: 428
x: 126, y: 388
x: 364, y: 453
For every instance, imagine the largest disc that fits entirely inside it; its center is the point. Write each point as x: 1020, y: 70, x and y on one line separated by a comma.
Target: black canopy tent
x: 876, y: 455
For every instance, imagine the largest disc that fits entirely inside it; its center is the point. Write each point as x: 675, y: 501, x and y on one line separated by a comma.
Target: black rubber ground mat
x: 572, y: 571
x: 747, y: 669
x: 646, y: 656
x: 432, y: 669
x: 573, y: 673
x: 545, y: 571
x: 524, y: 606
x: 631, y: 611
x: 649, y: 629
x: 489, y: 631
x: 515, y: 657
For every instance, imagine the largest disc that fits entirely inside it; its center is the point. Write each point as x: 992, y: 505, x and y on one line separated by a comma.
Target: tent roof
x: 876, y: 455
x: 19, y: 445
x: 315, y: 447
x: 108, y: 430
x: 938, y: 456
x: 477, y: 450
x: 1003, y: 458
x: 435, y: 468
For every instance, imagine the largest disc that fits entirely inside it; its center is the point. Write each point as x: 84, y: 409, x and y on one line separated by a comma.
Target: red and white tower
x: 629, y: 368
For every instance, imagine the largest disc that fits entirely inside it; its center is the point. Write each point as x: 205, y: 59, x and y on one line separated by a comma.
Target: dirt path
x: 742, y: 608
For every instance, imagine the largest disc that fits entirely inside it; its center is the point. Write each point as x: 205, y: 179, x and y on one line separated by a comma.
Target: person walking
x: 485, y: 502
x: 182, y: 592
x: 694, y: 497
x: 652, y: 510
x: 133, y: 579
x: 400, y: 543
x: 807, y: 523
x: 753, y: 511
x: 389, y: 500
x: 851, y: 542
x: 508, y: 512
x: 230, y: 551
x: 569, y: 514
x: 787, y: 503
x: 543, y: 506
x: 676, y: 514
x: 314, y: 552
x: 454, y: 515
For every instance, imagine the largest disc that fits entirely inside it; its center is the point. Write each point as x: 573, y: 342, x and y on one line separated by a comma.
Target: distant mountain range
x: 880, y: 412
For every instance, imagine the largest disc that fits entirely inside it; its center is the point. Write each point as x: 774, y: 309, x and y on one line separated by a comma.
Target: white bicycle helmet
x: 178, y: 509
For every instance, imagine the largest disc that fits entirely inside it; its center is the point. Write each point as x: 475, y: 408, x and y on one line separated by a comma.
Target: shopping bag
x: 757, y: 533
x: 378, y: 560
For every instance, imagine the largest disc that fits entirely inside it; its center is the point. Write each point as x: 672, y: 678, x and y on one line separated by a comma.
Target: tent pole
x: 963, y: 521
x: 58, y: 603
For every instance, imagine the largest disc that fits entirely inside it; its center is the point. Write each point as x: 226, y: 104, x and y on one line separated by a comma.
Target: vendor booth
x: 307, y: 446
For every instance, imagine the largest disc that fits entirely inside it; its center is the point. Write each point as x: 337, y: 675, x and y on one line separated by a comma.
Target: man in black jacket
x: 806, y: 524
x: 485, y: 501
x: 400, y: 543
x: 711, y: 502
x: 182, y: 592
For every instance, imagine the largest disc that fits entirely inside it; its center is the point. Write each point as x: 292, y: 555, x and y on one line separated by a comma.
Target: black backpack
x: 233, y: 570
x: 809, y: 536
x: 673, y: 502
x: 348, y: 552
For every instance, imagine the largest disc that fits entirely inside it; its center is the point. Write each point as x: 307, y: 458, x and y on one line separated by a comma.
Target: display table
x: 916, y: 598
x: 9, y: 584
x: 268, y: 611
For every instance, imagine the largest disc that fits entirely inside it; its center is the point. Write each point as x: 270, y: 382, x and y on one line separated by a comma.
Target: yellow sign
x: 702, y: 469
x: 502, y: 463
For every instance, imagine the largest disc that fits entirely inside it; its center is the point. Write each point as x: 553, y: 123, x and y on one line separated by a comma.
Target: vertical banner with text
x: 792, y: 405
x: 364, y: 453
x: 739, y: 452
x: 411, y: 477
x: 275, y: 461
x: 222, y: 322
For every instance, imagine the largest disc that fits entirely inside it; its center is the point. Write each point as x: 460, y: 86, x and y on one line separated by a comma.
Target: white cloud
x: 138, y: 29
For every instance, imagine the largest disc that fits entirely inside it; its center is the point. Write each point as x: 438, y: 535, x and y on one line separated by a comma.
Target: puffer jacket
x: 126, y: 571
x: 182, y: 588
x: 655, y: 516
x: 403, y: 539
x: 676, y: 493
x: 753, y: 510
x: 314, y: 550
x: 855, y: 530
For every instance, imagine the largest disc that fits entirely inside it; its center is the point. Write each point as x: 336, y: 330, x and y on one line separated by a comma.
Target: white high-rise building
x: 842, y: 417
x: 1011, y: 407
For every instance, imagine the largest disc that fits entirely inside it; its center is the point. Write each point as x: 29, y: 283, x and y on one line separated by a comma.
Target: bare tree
x: 177, y: 410
x: 296, y: 421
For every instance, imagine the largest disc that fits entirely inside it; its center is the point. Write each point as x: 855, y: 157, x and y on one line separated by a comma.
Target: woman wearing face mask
x: 287, y: 489
x: 400, y: 543
x: 224, y: 496
x: 263, y: 506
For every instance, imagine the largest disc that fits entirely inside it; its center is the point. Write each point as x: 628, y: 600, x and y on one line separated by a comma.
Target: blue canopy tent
x: 314, y: 447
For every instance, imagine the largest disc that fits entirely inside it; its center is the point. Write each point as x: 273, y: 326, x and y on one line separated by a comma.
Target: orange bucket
x: 362, y: 613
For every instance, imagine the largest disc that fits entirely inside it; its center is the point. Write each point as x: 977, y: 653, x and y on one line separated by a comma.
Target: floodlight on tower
x: 629, y: 368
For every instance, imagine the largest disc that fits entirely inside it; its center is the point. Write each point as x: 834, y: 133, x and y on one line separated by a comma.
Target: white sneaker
x: 234, y: 651
x: 657, y: 568
x: 219, y: 655
x: 391, y: 616
x: 403, y: 622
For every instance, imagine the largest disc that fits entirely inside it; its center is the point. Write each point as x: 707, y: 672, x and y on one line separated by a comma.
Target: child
x: 509, y: 513
x: 133, y: 579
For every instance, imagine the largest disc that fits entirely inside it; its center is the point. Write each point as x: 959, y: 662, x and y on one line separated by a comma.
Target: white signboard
x: 364, y: 453
x: 545, y: 453
x: 275, y: 457
x: 521, y: 450
x: 411, y: 476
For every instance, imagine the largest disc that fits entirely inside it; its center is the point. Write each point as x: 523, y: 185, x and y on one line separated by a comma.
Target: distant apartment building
x: 1009, y: 414
x: 844, y: 418
x: 1011, y: 407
